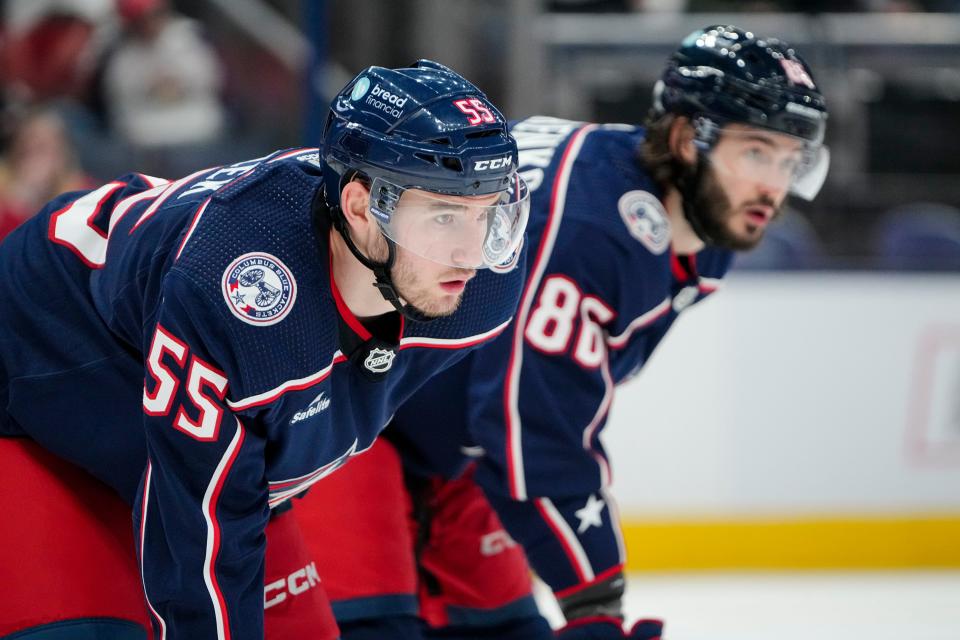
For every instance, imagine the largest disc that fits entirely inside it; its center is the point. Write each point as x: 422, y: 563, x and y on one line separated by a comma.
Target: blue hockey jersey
x: 602, y: 290
x: 186, y: 343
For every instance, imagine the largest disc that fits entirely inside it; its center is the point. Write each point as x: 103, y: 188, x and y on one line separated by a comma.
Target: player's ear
x: 681, y: 140
x: 355, y: 204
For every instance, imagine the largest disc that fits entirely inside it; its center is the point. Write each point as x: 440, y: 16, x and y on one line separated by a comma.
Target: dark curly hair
x: 655, y: 155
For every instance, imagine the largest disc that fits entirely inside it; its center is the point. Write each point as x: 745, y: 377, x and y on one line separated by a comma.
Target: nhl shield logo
x: 379, y: 360
x: 259, y: 289
x: 646, y: 220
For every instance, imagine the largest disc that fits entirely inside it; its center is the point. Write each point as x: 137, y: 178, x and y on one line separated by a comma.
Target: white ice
x: 875, y: 605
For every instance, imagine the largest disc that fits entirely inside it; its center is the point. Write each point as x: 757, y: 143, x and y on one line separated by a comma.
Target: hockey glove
x: 602, y: 628
x: 595, y: 613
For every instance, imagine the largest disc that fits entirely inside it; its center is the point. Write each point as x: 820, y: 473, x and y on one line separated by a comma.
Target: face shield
x: 777, y: 160
x: 469, y: 232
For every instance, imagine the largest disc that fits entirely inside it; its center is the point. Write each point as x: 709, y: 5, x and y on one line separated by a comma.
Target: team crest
x: 259, y: 289
x: 510, y: 263
x: 379, y: 360
x: 646, y: 220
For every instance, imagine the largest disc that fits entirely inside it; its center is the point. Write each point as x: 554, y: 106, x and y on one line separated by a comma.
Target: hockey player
x: 212, y: 346
x: 629, y: 227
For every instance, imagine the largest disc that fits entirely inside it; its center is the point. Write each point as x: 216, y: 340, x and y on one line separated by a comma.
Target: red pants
x: 462, y: 566
x: 67, y: 553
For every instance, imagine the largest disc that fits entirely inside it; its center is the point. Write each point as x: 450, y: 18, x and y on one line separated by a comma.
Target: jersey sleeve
x: 545, y: 468
x: 202, y: 507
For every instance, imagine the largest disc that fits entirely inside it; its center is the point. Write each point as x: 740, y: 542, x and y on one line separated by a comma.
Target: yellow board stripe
x: 870, y: 542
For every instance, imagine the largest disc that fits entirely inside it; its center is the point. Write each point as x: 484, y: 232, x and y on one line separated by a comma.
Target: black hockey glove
x: 601, y: 628
x: 595, y: 613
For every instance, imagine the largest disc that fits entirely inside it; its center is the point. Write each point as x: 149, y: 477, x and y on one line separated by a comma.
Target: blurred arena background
x: 816, y: 491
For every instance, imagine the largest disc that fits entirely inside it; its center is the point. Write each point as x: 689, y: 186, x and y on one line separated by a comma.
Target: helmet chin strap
x: 384, y: 282
x: 381, y: 270
x: 688, y: 184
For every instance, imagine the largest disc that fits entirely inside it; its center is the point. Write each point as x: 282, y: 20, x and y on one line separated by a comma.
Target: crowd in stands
x: 95, y: 88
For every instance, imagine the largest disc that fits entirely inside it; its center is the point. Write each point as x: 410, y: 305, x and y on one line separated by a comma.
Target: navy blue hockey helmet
x: 722, y: 74
x: 440, y: 165
x: 427, y: 128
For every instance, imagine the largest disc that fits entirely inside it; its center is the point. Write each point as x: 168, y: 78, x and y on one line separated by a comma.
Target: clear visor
x: 779, y: 161
x: 470, y: 232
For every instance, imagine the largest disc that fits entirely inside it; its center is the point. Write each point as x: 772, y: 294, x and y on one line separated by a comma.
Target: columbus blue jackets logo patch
x: 259, y: 289
x: 646, y: 220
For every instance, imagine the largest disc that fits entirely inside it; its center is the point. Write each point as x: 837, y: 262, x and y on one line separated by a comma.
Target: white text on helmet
x: 389, y: 103
x: 386, y: 96
x: 495, y: 163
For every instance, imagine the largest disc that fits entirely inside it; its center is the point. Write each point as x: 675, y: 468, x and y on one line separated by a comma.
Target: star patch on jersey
x: 590, y: 513
x: 646, y: 220
x: 259, y: 289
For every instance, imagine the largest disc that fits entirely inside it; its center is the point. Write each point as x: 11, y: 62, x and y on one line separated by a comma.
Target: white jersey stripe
x: 124, y: 205
x: 405, y: 343
x: 213, y: 530
x: 638, y: 323
x: 710, y: 284
x: 290, y: 385
x: 569, y: 539
x: 452, y: 343
x: 280, y: 495
x: 153, y: 181
x: 514, y: 426
x: 295, y: 152
x: 598, y: 417
x: 143, y: 529
x: 193, y: 225
x: 170, y: 189
x: 285, y: 484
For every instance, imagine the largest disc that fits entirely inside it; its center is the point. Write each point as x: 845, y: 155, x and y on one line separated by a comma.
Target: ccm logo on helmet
x: 493, y: 163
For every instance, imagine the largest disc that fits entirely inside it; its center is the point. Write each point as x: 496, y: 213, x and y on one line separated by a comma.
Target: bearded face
x: 738, y: 226
x: 742, y: 184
